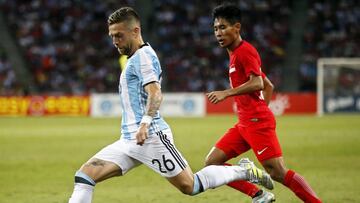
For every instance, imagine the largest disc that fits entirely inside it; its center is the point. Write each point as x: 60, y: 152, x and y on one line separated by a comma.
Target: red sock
x: 300, y: 187
x: 244, y: 186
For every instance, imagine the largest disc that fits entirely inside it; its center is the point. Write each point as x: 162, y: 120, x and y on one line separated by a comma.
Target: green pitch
x: 39, y: 156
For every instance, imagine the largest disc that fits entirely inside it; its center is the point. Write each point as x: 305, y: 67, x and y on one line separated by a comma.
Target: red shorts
x: 259, y: 135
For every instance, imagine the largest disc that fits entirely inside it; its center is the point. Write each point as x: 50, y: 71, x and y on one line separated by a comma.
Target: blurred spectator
x: 9, y: 84
x: 66, y: 43
x: 332, y: 30
x: 188, y: 49
x: 348, y: 82
x: 68, y: 50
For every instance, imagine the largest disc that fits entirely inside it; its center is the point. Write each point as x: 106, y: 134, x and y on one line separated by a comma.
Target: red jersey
x: 245, y: 60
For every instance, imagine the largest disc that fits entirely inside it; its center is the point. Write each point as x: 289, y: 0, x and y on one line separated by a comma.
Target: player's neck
x: 137, y: 44
x: 234, y: 45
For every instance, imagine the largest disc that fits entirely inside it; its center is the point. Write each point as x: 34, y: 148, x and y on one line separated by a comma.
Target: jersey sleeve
x: 250, y: 64
x: 149, y: 69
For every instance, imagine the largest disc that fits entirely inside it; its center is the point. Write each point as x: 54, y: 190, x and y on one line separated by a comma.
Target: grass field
x: 39, y: 156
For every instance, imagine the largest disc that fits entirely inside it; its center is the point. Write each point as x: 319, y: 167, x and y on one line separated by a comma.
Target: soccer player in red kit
x: 256, y: 126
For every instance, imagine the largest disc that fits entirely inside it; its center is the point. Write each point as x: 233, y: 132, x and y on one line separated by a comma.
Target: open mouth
x: 221, y: 41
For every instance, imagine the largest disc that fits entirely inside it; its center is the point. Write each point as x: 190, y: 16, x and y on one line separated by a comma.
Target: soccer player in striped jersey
x: 256, y: 126
x: 146, y: 137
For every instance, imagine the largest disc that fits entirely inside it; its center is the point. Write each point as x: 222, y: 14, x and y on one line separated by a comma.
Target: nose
x: 114, y: 40
x: 218, y: 33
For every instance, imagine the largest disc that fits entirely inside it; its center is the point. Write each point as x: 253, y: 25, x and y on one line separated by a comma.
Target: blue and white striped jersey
x: 142, y: 68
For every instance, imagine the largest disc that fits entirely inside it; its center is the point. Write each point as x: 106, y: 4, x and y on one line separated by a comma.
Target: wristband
x: 146, y: 119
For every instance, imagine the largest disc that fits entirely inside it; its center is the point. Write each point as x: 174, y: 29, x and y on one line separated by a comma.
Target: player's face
x: 122, y: 37
x: 225, y: 33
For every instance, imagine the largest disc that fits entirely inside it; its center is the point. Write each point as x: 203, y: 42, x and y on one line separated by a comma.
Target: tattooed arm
x: 153, y: 104
x: 154, y: 98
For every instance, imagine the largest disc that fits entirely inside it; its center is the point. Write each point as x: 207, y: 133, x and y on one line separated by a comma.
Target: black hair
x: 123, y: 14
x: 229, y: 12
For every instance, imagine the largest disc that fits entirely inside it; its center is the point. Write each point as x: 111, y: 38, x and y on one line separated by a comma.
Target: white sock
x: 214, y: 176
x: 82, y: 193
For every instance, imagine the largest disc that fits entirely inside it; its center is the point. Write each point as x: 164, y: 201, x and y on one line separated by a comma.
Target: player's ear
x: 238, y: 26
x: 136, y: 30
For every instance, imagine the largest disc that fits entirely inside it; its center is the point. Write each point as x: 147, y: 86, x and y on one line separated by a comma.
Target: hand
x: 142, y: 134
x: 216, y: 96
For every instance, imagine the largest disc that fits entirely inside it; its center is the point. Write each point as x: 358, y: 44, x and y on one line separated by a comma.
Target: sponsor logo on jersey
x: 232, y: 69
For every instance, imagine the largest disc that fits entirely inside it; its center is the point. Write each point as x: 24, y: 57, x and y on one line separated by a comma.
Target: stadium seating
x: 188, y: 46
x: 66, y: 44
x: 8, y: 82
x: 68, y: 51
x: 332, y: 31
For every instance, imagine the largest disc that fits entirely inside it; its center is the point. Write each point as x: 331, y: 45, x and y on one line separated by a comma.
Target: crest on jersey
x: 232, y: 68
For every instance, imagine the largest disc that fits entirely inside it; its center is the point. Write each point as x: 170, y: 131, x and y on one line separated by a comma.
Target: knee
x: 216, y: 157
x: 208, y: 161
x: 276, y: 168
x: 276, y: 174
x: 212, y: 161
x: 88, y: 170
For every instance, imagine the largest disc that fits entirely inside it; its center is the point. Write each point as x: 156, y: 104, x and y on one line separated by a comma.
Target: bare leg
x: 92, y: 172
x: 100, y: 170
x: 276, y: 168
x: 216, y: 157
x: 295, y: 182
x: 184, y: 181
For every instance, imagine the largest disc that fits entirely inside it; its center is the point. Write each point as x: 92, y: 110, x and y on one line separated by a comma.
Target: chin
x: 223, y: 45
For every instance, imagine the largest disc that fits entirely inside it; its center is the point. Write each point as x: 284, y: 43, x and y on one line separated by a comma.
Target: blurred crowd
x: 348, y: 83
x: 332, y: 30
x: 65, y: 44
x: 68, y: 49
x: 9, y: 84
x: 190, y: 53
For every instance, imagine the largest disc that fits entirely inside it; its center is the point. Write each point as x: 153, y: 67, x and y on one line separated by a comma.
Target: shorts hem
x: 270, y: 157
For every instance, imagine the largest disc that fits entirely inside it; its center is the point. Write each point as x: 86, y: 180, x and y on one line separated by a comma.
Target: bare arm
x: 154, y: 100
x: 268, y: 90
x: 254, y: 83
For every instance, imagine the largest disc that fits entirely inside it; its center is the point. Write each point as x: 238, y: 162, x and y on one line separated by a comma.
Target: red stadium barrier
x: 45, y: 105
x: 281, y: 103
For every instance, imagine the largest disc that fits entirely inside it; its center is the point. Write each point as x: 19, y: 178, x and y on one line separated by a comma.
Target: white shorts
x: 158, y: 152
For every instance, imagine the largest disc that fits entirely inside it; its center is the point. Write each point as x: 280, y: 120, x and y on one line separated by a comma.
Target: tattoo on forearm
x: 153, y: 104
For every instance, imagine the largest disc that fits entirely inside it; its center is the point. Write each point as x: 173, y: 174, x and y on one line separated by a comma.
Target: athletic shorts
x: 158, y: 153
x: 258, y: 135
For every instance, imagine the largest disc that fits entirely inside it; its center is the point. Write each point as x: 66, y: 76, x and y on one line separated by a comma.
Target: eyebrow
x: 113, y: 34
x: 220, y: 24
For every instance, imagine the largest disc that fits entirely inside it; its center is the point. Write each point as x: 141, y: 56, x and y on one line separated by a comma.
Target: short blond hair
x: 124, y: 14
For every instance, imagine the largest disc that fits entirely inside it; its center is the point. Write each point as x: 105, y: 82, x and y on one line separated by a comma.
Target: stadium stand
x: 188, y: 46
x: 67, y: 49
x: 65, y: 44
x: 8, y: 82
x: 332, y: 30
